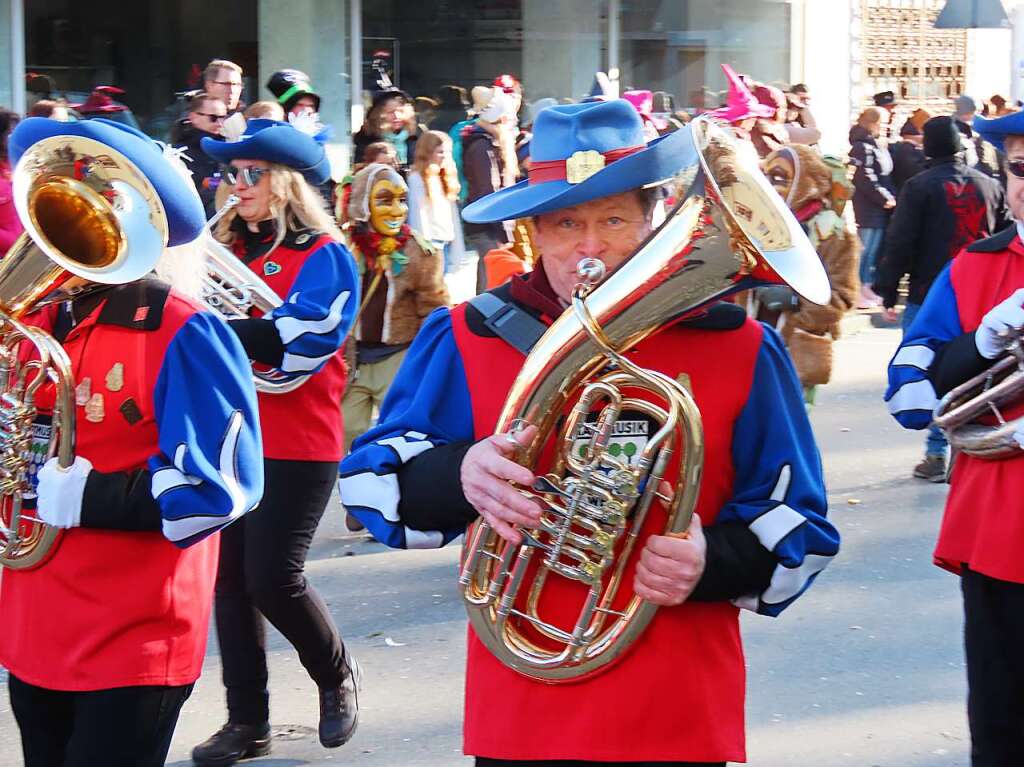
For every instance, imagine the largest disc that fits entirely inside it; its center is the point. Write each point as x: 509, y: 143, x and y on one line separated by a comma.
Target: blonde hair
x: 294, y: 205
x: 269, y: 110
x: 218, y: 64
x: 870, y: 117
x: 427, y: 144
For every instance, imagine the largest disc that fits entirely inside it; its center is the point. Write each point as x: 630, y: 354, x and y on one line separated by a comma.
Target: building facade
x: 844, y: 50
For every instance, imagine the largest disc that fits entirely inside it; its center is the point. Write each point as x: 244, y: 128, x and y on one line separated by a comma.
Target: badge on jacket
x: 271, y: 268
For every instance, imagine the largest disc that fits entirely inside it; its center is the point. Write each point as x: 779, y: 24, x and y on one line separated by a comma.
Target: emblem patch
x: 583, y: 165
x: 271, y: 268
x: 115, y: 377
x: 94, y: 410
x: 130, y: 411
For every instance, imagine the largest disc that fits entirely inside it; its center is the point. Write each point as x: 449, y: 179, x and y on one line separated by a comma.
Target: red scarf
x: 367, y: 241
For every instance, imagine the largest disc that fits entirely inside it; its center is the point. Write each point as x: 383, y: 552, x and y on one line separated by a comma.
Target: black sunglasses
x: 251, y: 176
x: 1016, y: 167
x: 215, y: 118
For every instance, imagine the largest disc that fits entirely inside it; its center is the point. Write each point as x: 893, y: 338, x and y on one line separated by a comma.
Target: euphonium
x: 232, y: 290
x: 89, y: 214
x: 958, y: 412
x: 729, y: 231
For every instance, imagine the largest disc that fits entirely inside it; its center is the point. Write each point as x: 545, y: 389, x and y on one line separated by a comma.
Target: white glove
x: 60, y: 492
x: 991, y: 336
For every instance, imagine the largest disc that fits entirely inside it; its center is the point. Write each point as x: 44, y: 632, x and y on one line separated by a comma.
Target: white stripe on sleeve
x: 919, y: 357
x: 915, y: 395
x: 291, y: 328
x: 372, y: 491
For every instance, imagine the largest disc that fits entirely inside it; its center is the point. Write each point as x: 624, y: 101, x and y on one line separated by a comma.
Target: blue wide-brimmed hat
x: 185, y: 215
x: 275, y: 142
x: 581, y: 152
x: 995, y: 129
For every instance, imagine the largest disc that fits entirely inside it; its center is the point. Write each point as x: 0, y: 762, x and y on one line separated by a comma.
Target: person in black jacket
x: 940, y: 211
x: 873, y: 197
x: 205, y: 116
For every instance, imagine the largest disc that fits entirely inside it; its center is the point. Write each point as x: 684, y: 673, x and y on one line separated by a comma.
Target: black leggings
x: 994, y: 646
x: 121, y: 727
x: 262, y: 557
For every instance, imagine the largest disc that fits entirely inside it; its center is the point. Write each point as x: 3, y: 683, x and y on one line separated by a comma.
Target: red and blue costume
x: 983, y: 524
x: 762, y: 501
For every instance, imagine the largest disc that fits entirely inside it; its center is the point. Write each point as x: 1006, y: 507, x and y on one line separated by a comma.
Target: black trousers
x: 482, y: 761
x: 262, y: 562
x: 121, y: 727
x: 994, y: 646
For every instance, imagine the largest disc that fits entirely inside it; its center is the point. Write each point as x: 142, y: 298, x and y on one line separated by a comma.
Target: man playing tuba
x: 433, y: 465
x: 971, y: 312
x: 105, y: 640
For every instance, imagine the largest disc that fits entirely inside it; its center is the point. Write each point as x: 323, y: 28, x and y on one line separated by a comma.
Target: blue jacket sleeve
x: 911, y: 395
x: 428, y: 405
x: 319, y: 311
x: 779, y: 490
x: 209, y: 468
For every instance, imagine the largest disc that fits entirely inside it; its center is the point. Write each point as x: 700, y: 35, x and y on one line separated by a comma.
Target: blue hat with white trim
x: 275, y: 142
x: 185, y: 215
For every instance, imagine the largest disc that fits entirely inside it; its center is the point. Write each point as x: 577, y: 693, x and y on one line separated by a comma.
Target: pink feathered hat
x: 643, y: 102
x: 740, y: 103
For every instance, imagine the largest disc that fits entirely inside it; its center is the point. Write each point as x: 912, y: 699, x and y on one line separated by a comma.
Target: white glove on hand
x: 60, y: 492
x: 990, y: 337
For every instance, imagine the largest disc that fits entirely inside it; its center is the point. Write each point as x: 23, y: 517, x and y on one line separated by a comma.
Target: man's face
x: 304, y: 104
x: 779, y: 170
x: 608, y: 229
x: 1014, y: 185
x: 388, y: 207
x: 208, y: 116
x: 226, y: 85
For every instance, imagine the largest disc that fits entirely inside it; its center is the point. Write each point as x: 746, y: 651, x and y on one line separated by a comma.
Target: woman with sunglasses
x: 971, y: 313
x: 206, y: 115
x: 282, y: 231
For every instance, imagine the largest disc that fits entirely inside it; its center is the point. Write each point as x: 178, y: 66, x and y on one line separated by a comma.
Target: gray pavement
x: 864, y: 670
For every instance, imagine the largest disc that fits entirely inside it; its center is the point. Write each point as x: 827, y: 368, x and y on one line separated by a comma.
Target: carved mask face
x: 779, y: 170
x: 388, y: 207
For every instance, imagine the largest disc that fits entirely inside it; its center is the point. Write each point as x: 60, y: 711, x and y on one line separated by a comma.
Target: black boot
x: 231, y: 743
x: 339, y: 708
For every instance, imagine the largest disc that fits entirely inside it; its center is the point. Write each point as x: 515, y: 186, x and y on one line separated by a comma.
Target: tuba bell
x: 91, y: 218
x: 232, y: 290
x: 729, y: 231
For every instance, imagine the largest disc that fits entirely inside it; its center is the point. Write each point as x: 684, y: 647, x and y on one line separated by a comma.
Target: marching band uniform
x: 262, y: 561
x: 762, y: 499
x: 952, y: 339
x: 105, y: 641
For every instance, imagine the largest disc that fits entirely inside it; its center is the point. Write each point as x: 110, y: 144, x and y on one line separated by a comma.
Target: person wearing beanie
x: 908, y: 154
x: 973, y: 311
x: 105, y: 640
x: 281, y: 230
x: 940, y: 211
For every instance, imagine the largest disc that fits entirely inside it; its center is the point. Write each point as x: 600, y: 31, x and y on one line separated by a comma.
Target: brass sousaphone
x: 91, y: 218
x: 729, y: 231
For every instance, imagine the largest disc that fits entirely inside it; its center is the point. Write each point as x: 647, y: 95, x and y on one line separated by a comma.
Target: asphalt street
x: 865, y: 669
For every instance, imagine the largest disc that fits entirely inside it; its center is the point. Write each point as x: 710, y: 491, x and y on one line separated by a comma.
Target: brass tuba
x: 90, y: 214
x: 729, y: 231
x: 958, y: 411
x: 232, y: 290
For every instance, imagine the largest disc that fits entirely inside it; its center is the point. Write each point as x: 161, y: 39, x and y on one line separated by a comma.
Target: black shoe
x: 932, y: 468
x: 352, y: 523
x: 339, y: 708
x: 231, y: 743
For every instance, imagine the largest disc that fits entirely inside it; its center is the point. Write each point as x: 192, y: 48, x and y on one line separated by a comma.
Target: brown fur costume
x: 810, y: 330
